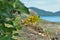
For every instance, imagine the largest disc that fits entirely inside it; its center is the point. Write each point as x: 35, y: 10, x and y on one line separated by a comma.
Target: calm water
x: 51, y: 18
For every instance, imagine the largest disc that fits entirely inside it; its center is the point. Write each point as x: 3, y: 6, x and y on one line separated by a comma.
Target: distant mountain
x: 45, y: 13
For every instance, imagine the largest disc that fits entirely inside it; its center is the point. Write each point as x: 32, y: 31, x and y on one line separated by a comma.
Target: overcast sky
x: 48, y: 5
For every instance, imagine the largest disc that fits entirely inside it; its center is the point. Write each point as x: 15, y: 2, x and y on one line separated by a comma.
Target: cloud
x: 50, y: 5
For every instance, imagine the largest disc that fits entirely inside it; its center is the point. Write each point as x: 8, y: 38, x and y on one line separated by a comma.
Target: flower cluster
x: 32, y: 19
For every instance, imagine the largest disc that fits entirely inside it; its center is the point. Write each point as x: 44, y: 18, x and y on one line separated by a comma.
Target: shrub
x: 9, y: 21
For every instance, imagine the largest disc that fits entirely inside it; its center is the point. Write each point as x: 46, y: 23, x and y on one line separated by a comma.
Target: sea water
x: 51, y: 18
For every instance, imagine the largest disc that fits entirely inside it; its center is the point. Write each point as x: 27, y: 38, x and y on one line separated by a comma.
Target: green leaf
x: 19, y: 27
x: 7, y: 37
x: 9, y: 22
x: 10, y: 29
x: 16, y: 34
x: 20, y: 7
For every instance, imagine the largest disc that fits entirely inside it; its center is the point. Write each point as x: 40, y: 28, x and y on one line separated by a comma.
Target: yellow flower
x: 31, y: 19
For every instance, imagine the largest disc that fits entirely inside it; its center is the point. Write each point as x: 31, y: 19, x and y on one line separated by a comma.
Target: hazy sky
x: 49, y: 5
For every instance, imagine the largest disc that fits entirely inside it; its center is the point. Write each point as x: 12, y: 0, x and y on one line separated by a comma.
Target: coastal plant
x: 9, y: 22
x: 32, y: 19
